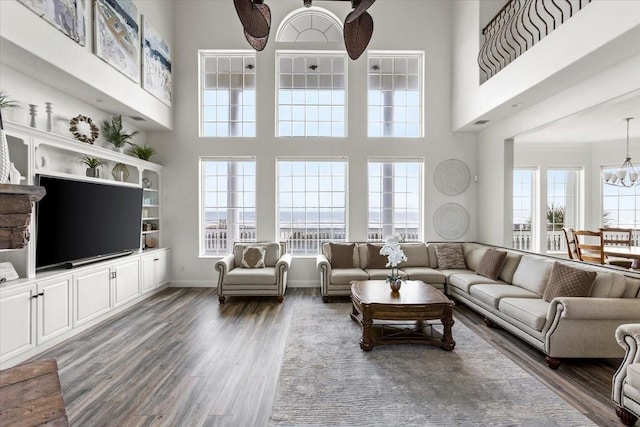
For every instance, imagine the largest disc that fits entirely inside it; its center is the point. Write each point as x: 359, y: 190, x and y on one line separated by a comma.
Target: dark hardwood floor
x: 180, y: 359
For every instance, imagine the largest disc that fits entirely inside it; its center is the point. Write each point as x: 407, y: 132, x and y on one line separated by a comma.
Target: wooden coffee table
x: 405, y: 317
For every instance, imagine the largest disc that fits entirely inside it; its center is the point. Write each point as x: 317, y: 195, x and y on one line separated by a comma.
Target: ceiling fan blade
x: 360, y: 8
x: 357, y: 34
x: 259, y: 43
x: 251, y: 18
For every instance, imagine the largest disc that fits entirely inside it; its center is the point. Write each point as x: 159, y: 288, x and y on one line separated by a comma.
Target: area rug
x: 327, y: 380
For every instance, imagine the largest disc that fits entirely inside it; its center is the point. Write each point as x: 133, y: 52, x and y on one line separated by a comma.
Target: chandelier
x: 255, y: 17
x: 626, y: 175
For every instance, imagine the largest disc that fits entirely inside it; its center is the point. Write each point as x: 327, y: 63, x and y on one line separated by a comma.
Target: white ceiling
x: 604, y: 122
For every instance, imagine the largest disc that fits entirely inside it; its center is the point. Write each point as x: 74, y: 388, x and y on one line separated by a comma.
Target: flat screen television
x: 79, y: 222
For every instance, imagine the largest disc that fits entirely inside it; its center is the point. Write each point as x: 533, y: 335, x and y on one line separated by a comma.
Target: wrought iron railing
x: 518, y: 26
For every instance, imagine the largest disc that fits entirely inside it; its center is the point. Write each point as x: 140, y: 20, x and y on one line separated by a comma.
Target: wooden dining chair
x: 617, y: 237
x: 570, y: 240
x: 590, y: 246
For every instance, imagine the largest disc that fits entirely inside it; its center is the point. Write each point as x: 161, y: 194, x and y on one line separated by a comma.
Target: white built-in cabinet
x: 43, y: 308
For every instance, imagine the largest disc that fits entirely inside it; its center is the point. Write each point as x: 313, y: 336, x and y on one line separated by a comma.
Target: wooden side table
x: 30, y: 395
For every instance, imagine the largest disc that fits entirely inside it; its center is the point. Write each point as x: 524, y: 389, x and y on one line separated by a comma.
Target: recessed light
x: 481, y: 122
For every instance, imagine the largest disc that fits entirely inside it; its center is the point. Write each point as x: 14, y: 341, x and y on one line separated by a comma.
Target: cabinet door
x: 54, y: 308
x: 161, y: 273
x: 17, y: 322
x: 92, y: 291
x: 127, y: 281
x: 148, y: 279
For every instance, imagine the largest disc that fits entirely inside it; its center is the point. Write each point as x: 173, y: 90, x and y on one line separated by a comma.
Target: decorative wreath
x: 85, y: 135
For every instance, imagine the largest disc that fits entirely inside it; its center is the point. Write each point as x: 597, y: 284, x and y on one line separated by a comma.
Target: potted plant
x: 92, y: 164
x: 113, y: 132
x: 143, y: 152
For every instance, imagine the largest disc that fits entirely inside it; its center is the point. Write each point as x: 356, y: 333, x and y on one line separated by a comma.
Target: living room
x: 575, y: 68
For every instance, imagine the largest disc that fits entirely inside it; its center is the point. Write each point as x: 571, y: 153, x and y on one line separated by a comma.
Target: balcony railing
x: 555, y: 242
x: 518, y: 26
x: 299, y: 241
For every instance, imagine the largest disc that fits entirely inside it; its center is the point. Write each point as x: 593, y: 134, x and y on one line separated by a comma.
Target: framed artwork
x: 66, y: 15
x: 156, y: 63
x: 117, y: 36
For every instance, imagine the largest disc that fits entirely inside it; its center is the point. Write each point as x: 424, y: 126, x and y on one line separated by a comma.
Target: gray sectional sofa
x: 563, y: 327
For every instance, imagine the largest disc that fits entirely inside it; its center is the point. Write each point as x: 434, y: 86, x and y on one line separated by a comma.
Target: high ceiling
x: 601, y: 123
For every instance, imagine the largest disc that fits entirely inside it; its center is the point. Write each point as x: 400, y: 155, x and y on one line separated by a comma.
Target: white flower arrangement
x: 394, y: 254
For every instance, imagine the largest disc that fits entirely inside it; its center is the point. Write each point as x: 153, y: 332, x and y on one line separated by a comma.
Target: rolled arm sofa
x: 255, y: 268
x: 513, y: 297
x: 626, y: 381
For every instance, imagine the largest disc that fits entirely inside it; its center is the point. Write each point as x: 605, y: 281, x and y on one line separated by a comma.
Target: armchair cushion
x: 253, y: 257
x: 251, y: 276
x: 272, y: 252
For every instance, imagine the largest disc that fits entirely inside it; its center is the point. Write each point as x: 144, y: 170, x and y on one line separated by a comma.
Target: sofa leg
x: 552, y: 362
x: 489, y: 323
x: 280, y: 298
x: 221, y: 299
x: 625, y: 416
x: 325, y: 298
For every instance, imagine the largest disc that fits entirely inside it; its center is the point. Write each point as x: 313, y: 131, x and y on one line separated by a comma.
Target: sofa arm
x: 223, y: 266
x: 282, y: 266
x: 324, y: 266
x: 628, y: 336
x: 585, y: 308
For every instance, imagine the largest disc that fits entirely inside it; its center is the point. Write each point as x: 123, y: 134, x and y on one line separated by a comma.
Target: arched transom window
x: 310, y: 25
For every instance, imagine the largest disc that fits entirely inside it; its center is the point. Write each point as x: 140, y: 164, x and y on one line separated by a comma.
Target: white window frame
x: 401, y: 78
x: 247, y: 111
x: 554, y: 240
x: 309, y: 121
x: 216, y: 243
x: 519, y: 236
x: 387, y: 199
x: 324, y: 197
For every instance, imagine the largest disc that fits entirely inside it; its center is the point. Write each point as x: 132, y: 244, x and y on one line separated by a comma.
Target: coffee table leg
x: 447, y: 322
x: 367, y: 322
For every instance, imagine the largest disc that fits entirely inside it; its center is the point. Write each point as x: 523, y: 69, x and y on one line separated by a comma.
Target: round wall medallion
x: 452, y: 177
x: 451, y: 221
x: 83, y: 129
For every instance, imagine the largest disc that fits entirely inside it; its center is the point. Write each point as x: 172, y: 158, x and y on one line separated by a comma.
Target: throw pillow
x: 566, y: 281
x: 342, y: 255
x: 450, y: 256
x: 491, y: 263
x: 253, y: 257
x: 374, y: 259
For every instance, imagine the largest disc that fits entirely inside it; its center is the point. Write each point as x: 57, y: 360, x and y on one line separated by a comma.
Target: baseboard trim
x: 208, y: 284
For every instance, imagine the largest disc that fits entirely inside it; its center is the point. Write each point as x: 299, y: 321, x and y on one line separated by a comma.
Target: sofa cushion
x: 530, y: 311
x: 343, y: 276
x: 509, y: 267
x: 253, y: 257
x: 491, y: 264
x: 533, y: 273
x: 609, y: 284
x: 433, y: 257
x: 271, y: 256
x: 416, y: 253
x: 426, y: 274
x: 567, y: 281
x: 491, y: 294
x: 464, y: 281
x: 633, y: 375
x: 382, y: 273
x: 373, y: 257
x: 251, y: 276
x: 342, y: 255
x: 473, y: 253
x: 450, y: 255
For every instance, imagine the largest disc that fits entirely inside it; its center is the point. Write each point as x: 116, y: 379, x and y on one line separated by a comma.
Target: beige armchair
x: 254, y: 268
x: 626, y: 381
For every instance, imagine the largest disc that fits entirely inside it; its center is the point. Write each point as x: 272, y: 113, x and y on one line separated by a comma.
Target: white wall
x: 44, y: 53
x: 425, y: 28
x: 600, y: 35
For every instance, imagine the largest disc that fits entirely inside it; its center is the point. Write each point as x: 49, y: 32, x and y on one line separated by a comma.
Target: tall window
x: 395, y: 95
x: 620, y: 205
x: 227, y: 203
x: 311, y: 94
x: 562, y: 208
x: 395, y: 199
x: 312, y: 200
x: 227, y: 94
x: 523, y: 207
